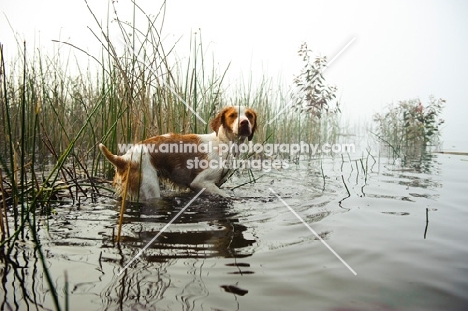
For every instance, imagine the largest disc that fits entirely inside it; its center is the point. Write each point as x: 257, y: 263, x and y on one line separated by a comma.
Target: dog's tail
x: 119, y: 162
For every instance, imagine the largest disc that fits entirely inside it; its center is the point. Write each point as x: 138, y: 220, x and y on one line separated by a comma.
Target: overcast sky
x: 395, y: 50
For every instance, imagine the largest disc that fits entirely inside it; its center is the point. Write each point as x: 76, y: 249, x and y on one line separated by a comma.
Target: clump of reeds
x: 410, y: 127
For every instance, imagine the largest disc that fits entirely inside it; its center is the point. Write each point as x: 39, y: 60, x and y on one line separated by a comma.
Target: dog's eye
x: 249, y: 115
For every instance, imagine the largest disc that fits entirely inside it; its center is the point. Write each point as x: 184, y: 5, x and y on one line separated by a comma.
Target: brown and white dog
x: 185, y: 160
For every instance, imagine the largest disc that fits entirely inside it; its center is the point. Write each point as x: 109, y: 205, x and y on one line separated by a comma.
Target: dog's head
x: 237, y: 122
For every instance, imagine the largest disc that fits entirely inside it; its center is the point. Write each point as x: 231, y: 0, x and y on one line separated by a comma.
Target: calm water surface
x: 402, y: 229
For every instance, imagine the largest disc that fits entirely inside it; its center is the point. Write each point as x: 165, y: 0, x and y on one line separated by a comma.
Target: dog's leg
x: 150, y: 185
x: 210, y: 188
x: 202, y: 181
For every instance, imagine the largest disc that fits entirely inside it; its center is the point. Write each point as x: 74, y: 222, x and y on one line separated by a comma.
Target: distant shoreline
x: 453, y: 152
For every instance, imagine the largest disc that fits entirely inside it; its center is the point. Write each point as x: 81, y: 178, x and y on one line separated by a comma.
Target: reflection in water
x: 20, y: 286
x: 234, y: 289
x: 252, y: 253
x: 206, y: 229
x: 424, y: 162
x: 413, y: 172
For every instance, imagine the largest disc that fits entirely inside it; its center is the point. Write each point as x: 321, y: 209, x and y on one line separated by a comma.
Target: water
x: 401, y: 228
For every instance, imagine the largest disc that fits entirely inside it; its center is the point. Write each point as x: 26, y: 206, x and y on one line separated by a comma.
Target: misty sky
x: 398, y: 49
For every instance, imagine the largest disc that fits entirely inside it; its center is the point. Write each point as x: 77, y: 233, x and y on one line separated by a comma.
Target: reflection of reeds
x: 4, y: 227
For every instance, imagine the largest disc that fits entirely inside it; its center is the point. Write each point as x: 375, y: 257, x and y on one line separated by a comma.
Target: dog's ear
x: 218, y: 120
x: 254, y: 125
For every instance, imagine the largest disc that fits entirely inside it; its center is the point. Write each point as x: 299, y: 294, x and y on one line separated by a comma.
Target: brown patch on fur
x: 219, y: 119
x: 252, y: 116
x: 172, y: 166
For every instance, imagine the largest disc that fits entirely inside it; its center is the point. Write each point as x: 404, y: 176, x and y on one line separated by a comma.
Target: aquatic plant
x: 314, y: 99
x: 312, y: 94
x: 410, y: 127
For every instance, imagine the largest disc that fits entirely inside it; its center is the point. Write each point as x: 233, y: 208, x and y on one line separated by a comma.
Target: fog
x: 382, y: 52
